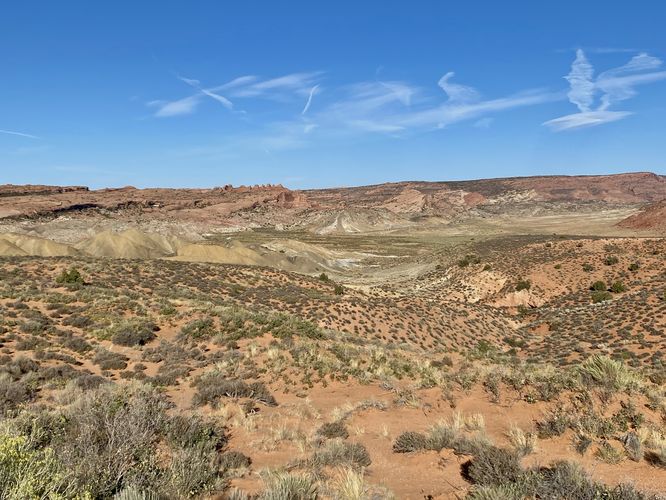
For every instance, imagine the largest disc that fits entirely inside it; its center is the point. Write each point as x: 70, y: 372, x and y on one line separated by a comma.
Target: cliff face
x: 270, y: 204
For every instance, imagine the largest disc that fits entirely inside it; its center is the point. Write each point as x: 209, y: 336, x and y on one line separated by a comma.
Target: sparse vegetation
x: 126, y: 352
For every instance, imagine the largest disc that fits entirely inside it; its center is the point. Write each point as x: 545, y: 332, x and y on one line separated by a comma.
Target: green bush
x: 523, y: 285
x: 611, y: 260
x: 26, y: 472
x: 599, y: 286
x: 70, y: 276
x: 618, y: 287
x: 198, y: 329
x: 599, y: 296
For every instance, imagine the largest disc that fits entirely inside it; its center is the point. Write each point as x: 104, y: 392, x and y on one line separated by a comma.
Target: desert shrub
x: 499, y: 492
x: 408, y: 442
x: 289, y: 486
x: 611, y: 260
x: 605, y: 372
x: 132, y: 332
x: 339, y: 290
x: 13, y: 392
x: 134, y: 493
x: 523, y: 443
x: 285, y: 326
x: 88, y: 381
x: 332, y: 430
x: 492, y: 386
x: 212, y: 387
x: 606, y: 452
x: 470, y: 445
x: 169, y: 373
x: 340, y: 453
x: 108, y: 360
x: 469, y: 259
x: 628, y: 416
x: 193, y: 471
x: 20, y: 366
x: 231, y: 460
x: 523, y: 285
x: 198, y: 329
x: 26, y: 472
x: 634, y: 266
x: 599, y: 286
x: 193, y: 431
x: 581, y: 443
x: 588, y: 268
x: 70, y: 276
x: 493, y: 466
x: 324, y: 277
x: 568, y: 480
x: 111, y: 437
x: 598, y: 297
x: 553, y: 425
x: 34, y: 327
x: 77, y: 321
x: 618, y: 287
x: 440, y: 436
x: 76, y: 344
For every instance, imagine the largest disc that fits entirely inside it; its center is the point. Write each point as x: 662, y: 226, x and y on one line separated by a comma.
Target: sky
x: 318, y: 94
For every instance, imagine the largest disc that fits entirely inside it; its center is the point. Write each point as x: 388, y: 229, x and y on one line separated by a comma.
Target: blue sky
x: 314, y: 94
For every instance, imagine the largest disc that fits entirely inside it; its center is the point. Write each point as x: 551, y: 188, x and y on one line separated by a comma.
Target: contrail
x: 195, y: 84
x: 20, y: 134
x: 307, y: 104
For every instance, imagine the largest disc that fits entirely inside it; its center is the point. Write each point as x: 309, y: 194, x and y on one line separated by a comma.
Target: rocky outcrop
x: 652, y: 217
x: 383, y: 205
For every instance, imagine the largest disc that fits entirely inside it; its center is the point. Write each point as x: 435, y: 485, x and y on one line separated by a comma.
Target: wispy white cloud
x: 614, y: 85
x: 313, y: 91
x: 581, y: 86
x: 454, y: 112
x: 19, y: 134
x: 216, y: 97
x: 295, y: 83
x: 457, y: 92
x: 248, y: 86
x: 185, y: 106
x: 586, y: 119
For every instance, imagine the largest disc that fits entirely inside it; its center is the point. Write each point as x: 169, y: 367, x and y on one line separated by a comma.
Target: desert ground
x: 493, y: 339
